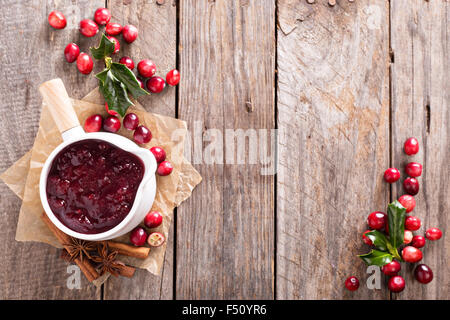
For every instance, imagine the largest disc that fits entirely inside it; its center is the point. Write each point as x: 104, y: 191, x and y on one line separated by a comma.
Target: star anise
x: 107, y: 261
x: 79, y: 248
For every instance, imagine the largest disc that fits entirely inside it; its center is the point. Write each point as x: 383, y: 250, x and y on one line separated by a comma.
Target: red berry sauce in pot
x: 92, y: 185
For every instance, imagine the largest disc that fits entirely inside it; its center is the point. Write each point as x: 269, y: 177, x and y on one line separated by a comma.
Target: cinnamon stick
x: 85, y: 266
x: 127, y: 271
x: 127, y: 250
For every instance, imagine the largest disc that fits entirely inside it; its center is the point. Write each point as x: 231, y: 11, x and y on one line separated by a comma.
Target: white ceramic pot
x: 60, y: 106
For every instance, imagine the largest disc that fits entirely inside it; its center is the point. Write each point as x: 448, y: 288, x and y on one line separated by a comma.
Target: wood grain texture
x: 28, y: 57
x: 333, y: 120
x: 157, y: 27
x: 420, y: 108
x: 225, y: 234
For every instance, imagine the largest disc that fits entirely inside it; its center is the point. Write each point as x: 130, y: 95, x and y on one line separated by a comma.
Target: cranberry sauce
x: 92, y: 184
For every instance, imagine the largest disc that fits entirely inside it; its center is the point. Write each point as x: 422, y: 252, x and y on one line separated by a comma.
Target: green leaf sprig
x: 116, y: 80
x: 386, y: 248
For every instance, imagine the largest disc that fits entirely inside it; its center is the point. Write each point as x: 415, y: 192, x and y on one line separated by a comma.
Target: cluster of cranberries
x: 139, y: 235
x: 141, y: 135
x: 378, y: 221
x: 89, y: 28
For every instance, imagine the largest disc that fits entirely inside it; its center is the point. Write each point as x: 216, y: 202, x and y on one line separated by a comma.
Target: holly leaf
x: 115, y: 93
x: 396, y: 222
x: 104, y: 49
x: 378, y: 239
x: 376, y: 258
x: 102, y: 76
x: 127, y: 77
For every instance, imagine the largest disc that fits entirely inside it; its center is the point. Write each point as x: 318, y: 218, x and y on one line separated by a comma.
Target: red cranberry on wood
x: 164, y: 168
x: 116, y: 43
x: 156, y: 84
x: 142, y: 135
x: 376, y: 220
x: 411, y: 146
x: 413, y: 169
x: 84, y: 63
x: 138, y: 236
x: 423, y: 273
x: 411, y: 186
x: 411, y: 254
x: 131, y: 121
x: 396, y: 284
x: 57, y: 20
x: 153, y: 219
x: 412, y: 223
x: 146, y: 68
x: 88, y: 28
x: 352, y: 283
x: 408, y: 236
x: 391, y: 175
x: 71, y: 52
x: 102, y: 16
x: 160, y: 154
x: 392, y: 268
x: 129, y: 33
x: 113, y: 29
x: 93, y: 123
x: 128, y: 62
x: 111, y: 124
x: 418, y: 241
x: 433, y: 234
x: 173, y: 77
x: 408, y: 202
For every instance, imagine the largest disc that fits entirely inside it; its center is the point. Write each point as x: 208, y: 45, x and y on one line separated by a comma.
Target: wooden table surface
x: 345, y: 86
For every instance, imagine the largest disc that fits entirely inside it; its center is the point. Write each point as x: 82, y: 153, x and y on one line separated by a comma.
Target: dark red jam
x: 92, y: 184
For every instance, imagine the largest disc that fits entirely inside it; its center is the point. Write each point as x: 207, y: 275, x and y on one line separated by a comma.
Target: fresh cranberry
x: 159, y: 153
x: 408, y: 236
x: 423, y: 273
x: 113, y: 29
x: 164, y: 168
x: 413, y: 169
x: 408, y: 202
x: 173, y: 77
x: 156, y: 84
x: 84, y: 63
x: 153, y: 219
x: 146, y: 68
x: 93, y: 123
x: 141, y: 83
x: 128, y: 62
x: 411, y: 146
x: 131, y: 121
x: 111, y: 124
x: 391, y: 175
x: 366, y: 239
x: 142, y: 135
x: 412, y: 223
x: 433, y: 234
x: 102, y: 16
x: 116, y: 44
x: 129, y: 33
x: 418, y: 241
x: 392, y: 268
x: 88, y: 28
x: 396, y: 284
x: 138, y: 236
x: 57, y: 20
x: 411, y: 186
x: 71, y: 52
x: 111, y: 112
x: 411, y: 254
x: 352, y: 283
x: 376, y: 220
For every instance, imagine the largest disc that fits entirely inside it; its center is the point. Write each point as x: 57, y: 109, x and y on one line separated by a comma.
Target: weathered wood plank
x: 157, y: 27
x: 333, y: 120
x: 420, y: 108
x: 225, y: 239
x: 31, y: 54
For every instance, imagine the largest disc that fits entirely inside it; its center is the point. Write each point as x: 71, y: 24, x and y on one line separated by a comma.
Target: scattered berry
x: 146, y: 68
x: 160, y: 154
x: 84, y: 63
x: 138, y: 236
x: 391, y: 175
x: 173, y: 77
x: 164, y: 168
x: 57, y: 20
x: 433, y: 234
x: 411, y: 186
x: 376, y: 220
x: 392, y: 268
x: 411, y: 146
x: 155, y: 239
x: 411, y: 254
x: 128, y: 62
x: 116, y: 43
x: 71, y: 52
x: 423, y: 273
x: 93, y: 123
x: 142, y: 135
x: 153, y: 219
x: 113, y: 29
x: 88, y: 28
x: 102, y: 16
x: 408, y: 236
x: 352, y: 283
x: 129, y: 33
x: 156, y: 84
x: 111, y: 124
x: 111, y: 112
x: 408, y: 202
x: 413, y: 169
x: 131, y: 121
x: 418, y: 241
x: 412, y: 223
x: 396, y: 284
